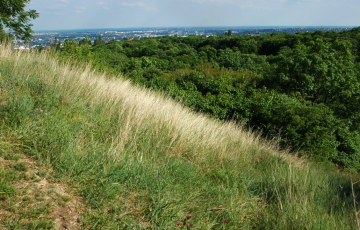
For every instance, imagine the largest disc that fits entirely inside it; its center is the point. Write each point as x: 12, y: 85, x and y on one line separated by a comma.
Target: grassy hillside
x: 142, y: 161
x: 303, y: 87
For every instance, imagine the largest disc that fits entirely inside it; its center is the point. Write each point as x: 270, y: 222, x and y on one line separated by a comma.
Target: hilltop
x: 141, y: 160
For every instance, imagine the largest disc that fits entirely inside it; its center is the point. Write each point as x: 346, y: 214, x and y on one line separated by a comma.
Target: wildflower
x: 225, y: 221
x: 178, y: 223
x: 188, y: 217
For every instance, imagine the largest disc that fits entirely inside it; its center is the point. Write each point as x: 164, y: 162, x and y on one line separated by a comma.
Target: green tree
x: 85, y: 41
x: 229, y: 33
x: 98, y: 41
x: 71, y: 48
x: 56, y: 44
x: 322, y: 72
x: 14, y: 17
x: 5, y: 36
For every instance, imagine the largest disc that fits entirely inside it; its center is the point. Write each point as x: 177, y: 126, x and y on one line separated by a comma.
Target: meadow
x: 140, y: 160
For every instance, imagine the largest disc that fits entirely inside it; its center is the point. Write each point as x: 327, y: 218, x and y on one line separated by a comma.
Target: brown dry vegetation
x: 38, y: 201
x: 141, y: 160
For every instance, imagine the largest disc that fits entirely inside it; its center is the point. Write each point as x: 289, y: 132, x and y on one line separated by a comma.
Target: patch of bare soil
x: 38, y: 201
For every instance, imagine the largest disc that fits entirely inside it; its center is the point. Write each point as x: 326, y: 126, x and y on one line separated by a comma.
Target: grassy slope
x: 141, y: 160
x: 29, y: 198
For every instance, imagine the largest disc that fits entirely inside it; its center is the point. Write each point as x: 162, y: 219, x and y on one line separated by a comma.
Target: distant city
x: 45, y: 38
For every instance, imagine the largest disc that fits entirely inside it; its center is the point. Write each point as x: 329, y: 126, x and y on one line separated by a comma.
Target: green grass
x: 21, y: 167
x: 18, y: 211
x: 142, y: 161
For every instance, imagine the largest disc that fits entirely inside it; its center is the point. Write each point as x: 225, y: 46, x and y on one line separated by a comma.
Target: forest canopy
x: 303, y: 87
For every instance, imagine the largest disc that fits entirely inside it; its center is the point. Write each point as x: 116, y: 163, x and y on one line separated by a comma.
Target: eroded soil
x: 30, y: 199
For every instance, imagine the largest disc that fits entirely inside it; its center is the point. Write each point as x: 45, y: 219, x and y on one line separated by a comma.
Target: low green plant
x: 22, y: 167
x: 6, y: 190
x: 140, y: 160
x: 41, y: 174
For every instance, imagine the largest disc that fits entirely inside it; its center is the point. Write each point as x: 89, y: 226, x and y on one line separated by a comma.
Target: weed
x: 66, y: 198
x: 6, y: 190
x: 26, y: 198
x: 37, y: 225
x: 12, y: 156
x: 41, y: 174
x: 32, y: 177
x: 22, y: 167
x: 12, y: 175
x: 36, y: 212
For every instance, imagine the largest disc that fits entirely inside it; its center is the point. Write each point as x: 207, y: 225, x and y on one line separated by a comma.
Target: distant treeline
x: 304, y: 87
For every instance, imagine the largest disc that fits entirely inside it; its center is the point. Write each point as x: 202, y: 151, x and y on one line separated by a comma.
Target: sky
x: 90, y: 14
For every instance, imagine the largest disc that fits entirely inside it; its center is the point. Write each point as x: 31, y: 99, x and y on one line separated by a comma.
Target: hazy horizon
x: 199, y: 27
x: 95, y: 14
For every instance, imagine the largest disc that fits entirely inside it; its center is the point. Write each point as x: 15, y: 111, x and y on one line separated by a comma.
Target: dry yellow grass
x: 138, y: 113
x: 143, y: 109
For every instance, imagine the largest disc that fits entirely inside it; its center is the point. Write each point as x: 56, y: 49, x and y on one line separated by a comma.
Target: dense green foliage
x: 303, y: 87
x: 140, y: 161
x: 14, y: 17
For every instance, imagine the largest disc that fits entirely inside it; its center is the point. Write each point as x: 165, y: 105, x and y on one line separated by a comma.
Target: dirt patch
x: 38, y: 201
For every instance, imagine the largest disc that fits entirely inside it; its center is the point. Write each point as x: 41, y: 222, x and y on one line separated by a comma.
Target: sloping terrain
x: 30, y: 199
x: 142, y: 161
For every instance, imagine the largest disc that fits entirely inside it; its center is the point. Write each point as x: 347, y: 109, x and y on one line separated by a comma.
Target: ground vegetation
x: 302, y: 88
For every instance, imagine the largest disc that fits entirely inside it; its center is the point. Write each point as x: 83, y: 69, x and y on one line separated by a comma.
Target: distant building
x: 22, y: 48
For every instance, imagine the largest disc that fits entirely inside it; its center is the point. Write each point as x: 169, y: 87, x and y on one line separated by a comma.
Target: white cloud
x: 57, y: 7
x: 256, y: 4
x: 242, y: 4
x: 217, y: 1
x: 102, y: 3
x: 80, y: 10
x: 134, y: 4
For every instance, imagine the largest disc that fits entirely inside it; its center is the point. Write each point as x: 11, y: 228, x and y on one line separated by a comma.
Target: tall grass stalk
x: 142, y: 160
